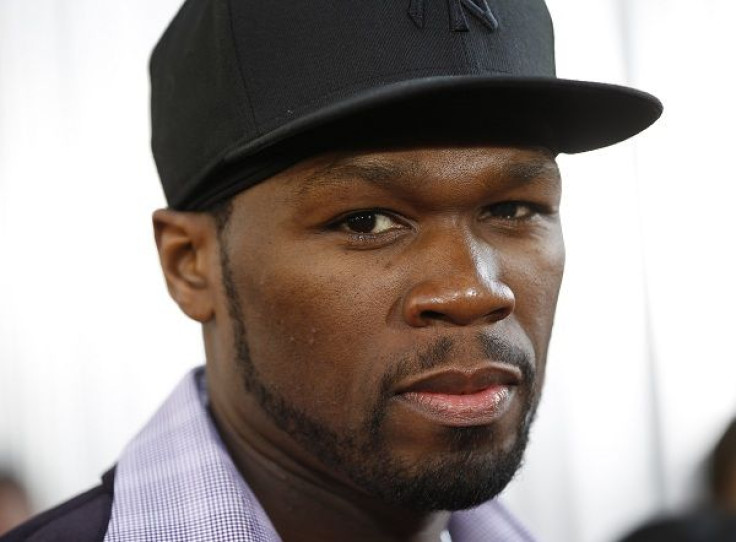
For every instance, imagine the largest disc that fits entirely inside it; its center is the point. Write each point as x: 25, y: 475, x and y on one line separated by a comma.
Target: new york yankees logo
x: 458, y: 22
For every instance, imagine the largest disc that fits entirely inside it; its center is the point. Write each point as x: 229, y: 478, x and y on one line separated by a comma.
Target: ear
x: 187, y: 249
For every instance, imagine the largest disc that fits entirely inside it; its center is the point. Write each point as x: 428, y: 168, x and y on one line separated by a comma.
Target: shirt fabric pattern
x: 175, y: 481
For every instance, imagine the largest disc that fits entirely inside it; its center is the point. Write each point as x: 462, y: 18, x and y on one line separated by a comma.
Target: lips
x: 463, y: 398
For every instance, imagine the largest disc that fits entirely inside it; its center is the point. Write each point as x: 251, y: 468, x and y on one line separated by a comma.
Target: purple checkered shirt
x: 175, y: 481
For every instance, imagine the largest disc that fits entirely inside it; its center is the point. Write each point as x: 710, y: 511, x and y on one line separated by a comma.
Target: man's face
x: 390, y: 314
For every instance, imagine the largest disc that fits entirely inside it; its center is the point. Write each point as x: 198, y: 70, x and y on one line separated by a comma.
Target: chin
x: 456, y: 484
x: 462, y: 477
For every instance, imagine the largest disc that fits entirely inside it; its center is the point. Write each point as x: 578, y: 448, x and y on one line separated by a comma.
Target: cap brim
x: 567, y: 116
x: 564, y: 116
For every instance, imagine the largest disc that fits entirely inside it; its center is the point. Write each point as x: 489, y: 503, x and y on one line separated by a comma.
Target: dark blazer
x: 701, y: 526
x: 81, y: 519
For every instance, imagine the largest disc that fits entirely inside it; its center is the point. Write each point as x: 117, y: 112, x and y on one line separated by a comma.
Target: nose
x: 465, y: 291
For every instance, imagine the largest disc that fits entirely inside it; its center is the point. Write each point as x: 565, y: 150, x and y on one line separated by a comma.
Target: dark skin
x: 342, y: 266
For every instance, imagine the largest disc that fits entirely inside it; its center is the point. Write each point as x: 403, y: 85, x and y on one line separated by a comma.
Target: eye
x: 368, y: 223
x: 512, y: 210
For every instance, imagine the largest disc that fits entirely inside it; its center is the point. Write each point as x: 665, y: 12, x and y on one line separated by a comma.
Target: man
x: 363, y: 215
x: 15, y: 503
x: 723, y: 471
x: 714, y: 522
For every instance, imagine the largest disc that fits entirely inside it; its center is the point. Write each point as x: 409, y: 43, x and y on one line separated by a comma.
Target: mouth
x: 463, y: 398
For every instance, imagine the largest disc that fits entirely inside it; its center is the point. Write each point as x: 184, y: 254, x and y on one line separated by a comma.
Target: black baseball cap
x: 242, y: 89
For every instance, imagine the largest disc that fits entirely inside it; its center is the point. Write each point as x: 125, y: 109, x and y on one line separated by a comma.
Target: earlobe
x: 186, y: 246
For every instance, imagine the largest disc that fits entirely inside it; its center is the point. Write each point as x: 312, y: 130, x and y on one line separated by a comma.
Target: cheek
x: 314, y: 326
x: 535, y: 278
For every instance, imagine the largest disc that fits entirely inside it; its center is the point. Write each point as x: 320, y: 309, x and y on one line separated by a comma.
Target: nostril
x: 465, y: 314
x: 501, y: 313
x: 433, y: 315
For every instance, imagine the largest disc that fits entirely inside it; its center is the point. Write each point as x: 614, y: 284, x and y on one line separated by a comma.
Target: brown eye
x: 361, y: 223
x: 510, y: 210
x: 368, y: 223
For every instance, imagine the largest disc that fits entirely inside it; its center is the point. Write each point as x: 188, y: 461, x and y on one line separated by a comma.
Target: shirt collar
x: 177, y: 480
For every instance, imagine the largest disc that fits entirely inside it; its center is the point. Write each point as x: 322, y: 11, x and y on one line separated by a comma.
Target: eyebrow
x: 381, y: 173
x: 385, y: 173
x: 524, y: 172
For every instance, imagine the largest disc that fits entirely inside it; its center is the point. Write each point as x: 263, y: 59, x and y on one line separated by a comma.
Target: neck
x: 306, y: 503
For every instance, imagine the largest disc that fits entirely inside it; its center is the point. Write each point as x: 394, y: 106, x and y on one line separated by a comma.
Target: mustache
x: 439, y: 353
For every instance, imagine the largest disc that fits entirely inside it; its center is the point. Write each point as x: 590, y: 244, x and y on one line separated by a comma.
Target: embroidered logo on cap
x: 458, y: 21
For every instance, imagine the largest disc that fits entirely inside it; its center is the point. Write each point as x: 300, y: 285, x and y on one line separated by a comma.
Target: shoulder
x: 81, y: 519
x: 703, y: 526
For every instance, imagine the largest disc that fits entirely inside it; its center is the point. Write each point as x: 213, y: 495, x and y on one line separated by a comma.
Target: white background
x: 642, y: 375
